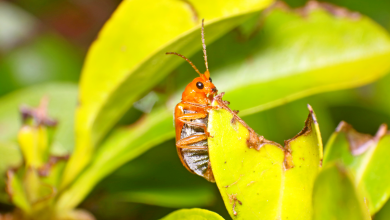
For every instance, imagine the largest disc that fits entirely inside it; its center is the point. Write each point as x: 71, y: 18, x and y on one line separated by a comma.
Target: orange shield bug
x: 191, y: 118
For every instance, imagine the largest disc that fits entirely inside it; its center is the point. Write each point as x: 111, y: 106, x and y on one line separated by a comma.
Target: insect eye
x: 210, y: 79
x: 199, y: 85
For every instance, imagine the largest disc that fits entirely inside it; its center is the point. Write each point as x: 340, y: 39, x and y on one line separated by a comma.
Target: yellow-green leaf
x: 61, y: 105
x: 266, y: 181
x: 193, y: 214
x: 128, y: 58
x: 300, y: 55
x: 16, y: 191
x: 167, y: 197
x: 335, y: 196
x: 319, y: 45
x: 384, y: 212
x: 243, y: 76
x: 366, y: 157
x: 33, y: 144
x: 155, y: 129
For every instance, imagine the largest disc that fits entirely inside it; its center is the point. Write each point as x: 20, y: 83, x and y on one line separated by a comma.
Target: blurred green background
x: 46, y: 41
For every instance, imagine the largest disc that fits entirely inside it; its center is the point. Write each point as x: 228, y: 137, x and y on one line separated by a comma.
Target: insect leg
x: 196, y: 124
x: 192, y: 147
x: 185, y: 142
x: 206, y: 107
x: 192, y: 116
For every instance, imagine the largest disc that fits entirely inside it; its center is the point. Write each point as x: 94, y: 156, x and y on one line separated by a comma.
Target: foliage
x: 335, y: 196
x: 193, y: 214
x: 270, y: 64
x: 365, y: 157
x: 101, y: 101
x: 275, y: 181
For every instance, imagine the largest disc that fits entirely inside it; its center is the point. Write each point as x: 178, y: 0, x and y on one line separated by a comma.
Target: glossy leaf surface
x: 335, y: 196
x: 267, y: 183
x: 367, y: 159
x: 193, y: 214
x: 322, y: 53
x: 128, y: 59
x: 259, y: 72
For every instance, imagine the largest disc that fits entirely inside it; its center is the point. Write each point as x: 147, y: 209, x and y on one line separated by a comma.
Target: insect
x: 191, y: 119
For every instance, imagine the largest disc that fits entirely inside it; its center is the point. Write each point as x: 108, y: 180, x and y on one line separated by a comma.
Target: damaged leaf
x: 260, y: 179
x: 129, y: 58
x: 335, y: 196
x: 366, y: 157
x: 327, y: 60
x: 323, y: 52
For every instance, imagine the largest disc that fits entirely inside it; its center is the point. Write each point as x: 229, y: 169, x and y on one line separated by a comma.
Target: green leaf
x: 384, y: 213
x: 324, y: 61
x: 40, y: 195
x: 16, y: 191
x: 376, y: 9
x: 33, y: 144
x: 193, y: 214
x: 269, y: 178
x: 11, y: 157
x: 171, y: 198
x: 76, y: 214
x: 34, y: 190
x: 366, y: 157
x: 128, y: 59
x: 125, y: 145
x: 335, y: 196
x: 165, y: 182
x: 62, y: 102
x: 321, y: 53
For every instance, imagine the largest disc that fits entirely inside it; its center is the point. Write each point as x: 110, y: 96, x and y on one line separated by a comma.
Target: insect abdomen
x: 196, y: 160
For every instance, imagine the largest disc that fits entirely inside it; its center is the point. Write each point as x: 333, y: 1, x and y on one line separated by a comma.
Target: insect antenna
x: 193, y: 66
x: 204, y: 47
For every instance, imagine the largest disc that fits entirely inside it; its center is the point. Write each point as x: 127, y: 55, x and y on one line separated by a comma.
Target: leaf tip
x: 312, y: 114
x: 359, y: 142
